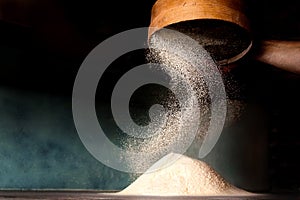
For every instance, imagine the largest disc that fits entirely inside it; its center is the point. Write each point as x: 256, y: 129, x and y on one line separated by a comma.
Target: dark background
x: 43, y: 43
x: 51, y: 37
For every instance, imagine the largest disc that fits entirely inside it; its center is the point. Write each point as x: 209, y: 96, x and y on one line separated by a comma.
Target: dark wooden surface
x: 70, y: 195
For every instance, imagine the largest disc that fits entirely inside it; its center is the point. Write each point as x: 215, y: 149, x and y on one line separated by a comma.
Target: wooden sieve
x: 220, y: 26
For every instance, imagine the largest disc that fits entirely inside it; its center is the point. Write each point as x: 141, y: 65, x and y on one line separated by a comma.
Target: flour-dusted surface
x: 186, y: 176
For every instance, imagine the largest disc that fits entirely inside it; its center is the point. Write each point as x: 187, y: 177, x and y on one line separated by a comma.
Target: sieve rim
x: 165, y: 13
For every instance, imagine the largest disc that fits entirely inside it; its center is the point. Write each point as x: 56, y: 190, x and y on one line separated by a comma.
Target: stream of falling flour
x: 179, y: 116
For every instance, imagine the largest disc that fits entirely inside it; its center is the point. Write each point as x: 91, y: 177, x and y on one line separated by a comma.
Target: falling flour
x: 186, y: 176
x: 177, y: 134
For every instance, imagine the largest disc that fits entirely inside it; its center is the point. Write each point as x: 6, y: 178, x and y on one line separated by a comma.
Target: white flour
x: 186, y: 176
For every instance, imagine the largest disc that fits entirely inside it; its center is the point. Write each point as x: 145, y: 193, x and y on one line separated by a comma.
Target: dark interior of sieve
x: 228, y: 40
x: 43, y: 44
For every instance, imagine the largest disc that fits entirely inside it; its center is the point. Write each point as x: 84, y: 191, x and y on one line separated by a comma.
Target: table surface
x: 70, y: 195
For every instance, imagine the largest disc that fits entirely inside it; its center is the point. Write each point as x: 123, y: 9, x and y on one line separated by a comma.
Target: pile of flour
x: 186, y: 176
